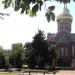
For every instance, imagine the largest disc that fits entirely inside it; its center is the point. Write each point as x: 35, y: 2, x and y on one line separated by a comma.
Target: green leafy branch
x: 31, y: 7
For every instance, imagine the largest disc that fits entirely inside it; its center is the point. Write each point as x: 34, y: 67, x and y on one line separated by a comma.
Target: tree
x: 2, y: 58
x: 16, y: 55
x: 6, y: 54
x: 29, y: 57
x: 27, y: 52
x: 40, y: 47
x: 18, y: 60
x: 52, y: 55
x: 61, y: 62
x: 31, y: 7
x: 37, y: 51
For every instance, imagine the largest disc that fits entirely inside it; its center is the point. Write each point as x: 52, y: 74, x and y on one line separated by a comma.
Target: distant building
x: 64, y: 39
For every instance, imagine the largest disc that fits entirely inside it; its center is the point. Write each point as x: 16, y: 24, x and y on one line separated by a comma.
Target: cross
x: 65, y: 5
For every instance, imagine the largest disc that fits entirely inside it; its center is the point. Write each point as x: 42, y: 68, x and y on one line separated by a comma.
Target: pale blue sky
x: 18, y: 28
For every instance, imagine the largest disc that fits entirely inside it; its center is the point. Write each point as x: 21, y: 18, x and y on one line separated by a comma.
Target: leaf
x: 46, y: 0
x: 17, y: 3
x: 22, y: 11
x: 32, y: 13
x: 16, y: 8
x: 33, y: 1
x: 35, y: 8
x: 52, y: 16
x: 3, y: 2
x: 51, y: 8
x: 40, y: 3
x: 64, y: 1
x: 7, y: 3
x: 48, y: 16
x: 27, y: 9
x: 23, y: 8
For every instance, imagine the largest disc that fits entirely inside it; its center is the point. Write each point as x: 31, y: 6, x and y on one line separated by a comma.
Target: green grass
x: 9, y: 73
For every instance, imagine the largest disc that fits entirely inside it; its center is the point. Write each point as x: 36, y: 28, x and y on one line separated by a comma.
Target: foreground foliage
x: 31, y: 7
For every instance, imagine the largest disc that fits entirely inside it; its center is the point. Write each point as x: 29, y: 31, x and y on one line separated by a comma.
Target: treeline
x: 12, y: 58
x: 36, y: 54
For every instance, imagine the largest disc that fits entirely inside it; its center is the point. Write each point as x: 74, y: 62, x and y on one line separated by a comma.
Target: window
x: 62, y: 52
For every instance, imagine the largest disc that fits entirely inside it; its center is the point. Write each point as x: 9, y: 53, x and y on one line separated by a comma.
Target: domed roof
x: 64, y: 14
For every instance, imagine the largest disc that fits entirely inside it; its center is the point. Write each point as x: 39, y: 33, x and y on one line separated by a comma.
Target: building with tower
x: 64, y: 39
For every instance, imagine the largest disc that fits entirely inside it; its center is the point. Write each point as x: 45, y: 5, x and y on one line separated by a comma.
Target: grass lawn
x: 9, y: 73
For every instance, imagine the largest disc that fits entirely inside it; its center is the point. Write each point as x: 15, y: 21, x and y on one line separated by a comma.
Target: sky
x: 20, y: 28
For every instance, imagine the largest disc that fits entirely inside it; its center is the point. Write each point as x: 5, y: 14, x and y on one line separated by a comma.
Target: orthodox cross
x: 65, y: 5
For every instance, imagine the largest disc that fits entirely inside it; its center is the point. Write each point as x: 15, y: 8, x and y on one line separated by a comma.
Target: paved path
x: 66, y: 72
x: 63, y: 72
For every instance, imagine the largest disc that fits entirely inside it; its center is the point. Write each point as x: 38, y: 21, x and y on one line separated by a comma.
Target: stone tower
x: 64, y: 20
x: 64, y: 39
